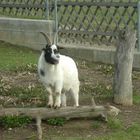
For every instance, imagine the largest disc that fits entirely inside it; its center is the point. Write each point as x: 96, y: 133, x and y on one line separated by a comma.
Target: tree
x: 122, y: 87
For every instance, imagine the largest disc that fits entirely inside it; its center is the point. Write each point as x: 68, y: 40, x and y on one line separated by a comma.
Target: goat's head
x: 51, y: 51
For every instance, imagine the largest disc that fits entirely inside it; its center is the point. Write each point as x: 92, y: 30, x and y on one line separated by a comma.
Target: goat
x: 59, y: 75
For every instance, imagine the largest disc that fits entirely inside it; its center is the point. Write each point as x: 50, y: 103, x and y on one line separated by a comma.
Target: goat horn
x: 47, y: 38
x: 55, y: 37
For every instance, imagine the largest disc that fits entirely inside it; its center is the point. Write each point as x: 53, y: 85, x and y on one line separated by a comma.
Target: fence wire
x: 87, y: 22
x: 79, y: 21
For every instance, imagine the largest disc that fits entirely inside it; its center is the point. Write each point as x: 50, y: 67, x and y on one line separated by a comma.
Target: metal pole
x: 47, y: 9
x: 56, y: 23
x: 139, y: 26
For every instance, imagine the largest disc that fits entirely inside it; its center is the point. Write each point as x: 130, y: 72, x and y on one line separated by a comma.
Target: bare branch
x: 39, y: 129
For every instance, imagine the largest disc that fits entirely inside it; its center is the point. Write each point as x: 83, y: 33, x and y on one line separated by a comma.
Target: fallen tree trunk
x: 66, y: 112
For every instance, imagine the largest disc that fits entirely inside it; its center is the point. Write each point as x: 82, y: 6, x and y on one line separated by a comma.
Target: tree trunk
x: 123, y: 91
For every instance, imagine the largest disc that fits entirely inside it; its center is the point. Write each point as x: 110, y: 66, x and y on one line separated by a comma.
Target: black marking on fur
x: 42, y: 72
x: 48, y: 53
x: 56, y: 51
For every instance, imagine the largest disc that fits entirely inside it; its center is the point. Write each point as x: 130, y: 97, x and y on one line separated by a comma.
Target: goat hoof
x: 56, y: 107
x: 50, y: 106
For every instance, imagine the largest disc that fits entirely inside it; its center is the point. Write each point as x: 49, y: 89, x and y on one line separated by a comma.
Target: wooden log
x: 65, y: 112
x: 123, y: 68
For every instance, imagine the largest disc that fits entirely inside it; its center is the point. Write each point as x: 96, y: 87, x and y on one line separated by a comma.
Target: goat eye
x: 55, y: 51
x: 48, y: 50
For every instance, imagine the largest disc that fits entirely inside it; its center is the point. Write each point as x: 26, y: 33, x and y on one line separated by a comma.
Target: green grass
x: 56, y: 121
x: 17, y: 58
x: 25, y: 97
x: 136, y: 91
x: 130, y: 133
x: 14, y: 121
x: 26, y: 93
x: 136, y: 99
x: 114, y: 123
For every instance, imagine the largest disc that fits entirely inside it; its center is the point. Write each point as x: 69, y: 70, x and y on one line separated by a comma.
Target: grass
x: 17, y: 58
x: 106, y: 69
x: 97, y: 124
x: 14, y: 121
x: 99, y: 91
x: 136, y: 99
x: 131, y: 132
x: 114, y: 123
x: 136, y: 93
x: 24, y: 97
x: 25, y: 92
x: 56, y: 121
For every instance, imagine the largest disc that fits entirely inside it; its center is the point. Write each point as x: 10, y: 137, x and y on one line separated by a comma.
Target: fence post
x: 56, y: 22
x: 47, y: 9
x: 139, y: 26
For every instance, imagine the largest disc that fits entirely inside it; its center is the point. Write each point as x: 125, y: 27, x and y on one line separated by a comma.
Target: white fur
x: 59, y: 79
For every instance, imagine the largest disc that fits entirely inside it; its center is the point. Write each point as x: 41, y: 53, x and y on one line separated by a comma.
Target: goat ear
x: 60, y: 47
x: 43, y: 49
x: 47, y: 46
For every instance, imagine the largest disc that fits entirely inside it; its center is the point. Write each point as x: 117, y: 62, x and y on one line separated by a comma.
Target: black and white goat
x: 59, y: 75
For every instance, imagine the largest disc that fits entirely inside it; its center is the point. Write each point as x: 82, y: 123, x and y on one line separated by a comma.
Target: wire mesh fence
x: 91, y: 21
x: 23, y: 8
x: 79, y: 21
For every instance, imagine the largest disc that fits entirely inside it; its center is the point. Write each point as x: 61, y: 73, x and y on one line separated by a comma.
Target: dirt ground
x: 90, y: 77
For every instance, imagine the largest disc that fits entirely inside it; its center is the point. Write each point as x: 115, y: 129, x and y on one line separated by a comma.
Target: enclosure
x: 79, y: 21
x: 82, y: 26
